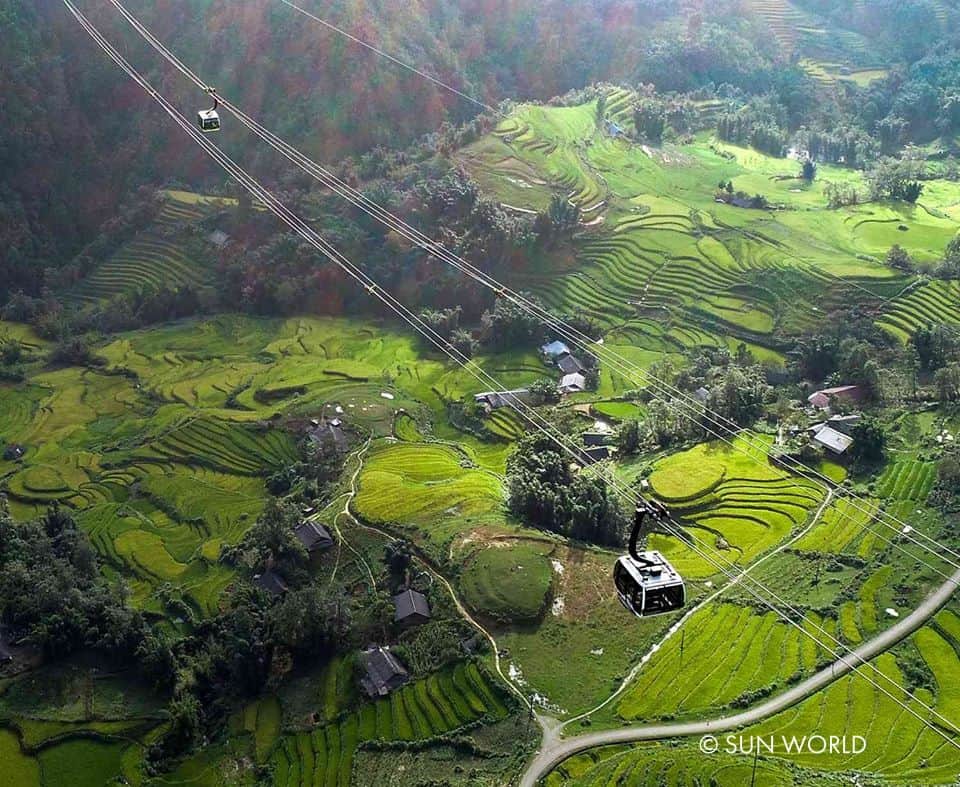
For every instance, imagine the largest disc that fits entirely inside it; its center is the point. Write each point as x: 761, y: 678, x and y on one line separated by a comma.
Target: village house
x: 331, y: 432
x: 313, y: 536
x: 271, y: 582
x: 554, y: 350
x: 411, y: 608
x: 494, y: 400
x: 384, y: 672
x: 834, y: 441
x: 570, y: 364
x: 849, y: 393
x: 572, y: 383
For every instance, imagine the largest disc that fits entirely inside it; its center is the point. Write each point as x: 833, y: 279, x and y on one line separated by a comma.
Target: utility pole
x: 756, y: 756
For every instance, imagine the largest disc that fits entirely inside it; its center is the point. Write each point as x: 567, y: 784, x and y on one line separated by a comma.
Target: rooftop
x: 832, y: 440
x: 409, y: 604
x: 313, y: 536
x: 384, y: 672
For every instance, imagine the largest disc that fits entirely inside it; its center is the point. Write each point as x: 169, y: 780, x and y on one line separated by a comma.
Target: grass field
x: 509, y: 582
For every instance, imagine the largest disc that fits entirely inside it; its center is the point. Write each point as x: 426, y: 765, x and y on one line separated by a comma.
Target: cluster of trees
x: 544, y: 491
x: 895, y: 179
x: 53, y: 594
x: 761, y: 122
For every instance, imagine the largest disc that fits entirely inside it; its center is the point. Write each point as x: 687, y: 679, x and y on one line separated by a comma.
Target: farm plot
x: 666, y: 765
x: 935, y: 301
x: 758, y: 651
x: 419, y: 711
x: 736, y: 508
x: 899, y: 748
x: 149, y: 261
x: 907, y: 480
x: 844, y: 527
x: 429, y: 491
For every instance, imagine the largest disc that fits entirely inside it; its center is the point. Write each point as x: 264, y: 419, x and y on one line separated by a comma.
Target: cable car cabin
x: 648, y: 585
x: 208, y: 119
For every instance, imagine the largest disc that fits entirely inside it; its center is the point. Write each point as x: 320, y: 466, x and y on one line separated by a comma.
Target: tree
x: 559, y: 221
x: 949, y: 268
x: 947, y: 382
x: 544, y: 391
x: 899, y: 259
x: 869, y: 440
x: 508, y: 326
x: 936, y: 344
x: 601, y: 108
x: 895, y: 179
x: 11, y: 352
x: 272, y: 540
x: 398, y: 555
x: 650, y: 119
x: 544, y: 492
x: 628, y: 438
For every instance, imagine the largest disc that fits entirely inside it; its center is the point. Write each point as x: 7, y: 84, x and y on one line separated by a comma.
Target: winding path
x: 555, y: 751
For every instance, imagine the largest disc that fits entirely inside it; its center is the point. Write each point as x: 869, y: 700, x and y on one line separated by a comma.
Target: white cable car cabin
x: 208, y: 119
x: 646, y: 582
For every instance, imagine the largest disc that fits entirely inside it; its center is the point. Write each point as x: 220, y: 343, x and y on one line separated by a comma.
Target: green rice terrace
x: 164, y: 448
x: 662, y: 266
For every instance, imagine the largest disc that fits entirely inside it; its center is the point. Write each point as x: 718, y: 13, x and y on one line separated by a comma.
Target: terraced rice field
x: 899, y: 747
x: 735, y: 508
x: 759, y: 650
x: 846, y: 526
x: 907, y: 480
x: 661, y: 265
x: 428, y: 490
x: 428, y: 708
x: 151, y: 260
x: 932, y: 302
x: 665, y: 765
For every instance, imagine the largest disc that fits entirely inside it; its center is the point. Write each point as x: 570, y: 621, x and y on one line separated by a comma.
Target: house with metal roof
x: 411, y: 608
x: 573, y: 383
x: 313, y: 536
x: 554, y: 350
x: 570, y: 364
x: 822, y: 399
x: 383, y: 672
x: 834, y: 441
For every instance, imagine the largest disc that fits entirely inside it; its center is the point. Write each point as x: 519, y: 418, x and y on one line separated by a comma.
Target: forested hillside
x: 330, y: 96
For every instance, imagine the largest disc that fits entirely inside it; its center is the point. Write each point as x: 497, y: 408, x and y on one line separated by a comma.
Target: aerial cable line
x: 696, y: 411
x: 308, y: 234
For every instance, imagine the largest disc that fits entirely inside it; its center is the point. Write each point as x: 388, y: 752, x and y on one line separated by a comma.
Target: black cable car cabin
x: 646, y: 582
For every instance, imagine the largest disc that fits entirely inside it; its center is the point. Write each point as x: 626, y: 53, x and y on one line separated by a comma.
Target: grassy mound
x: 509, y: 583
